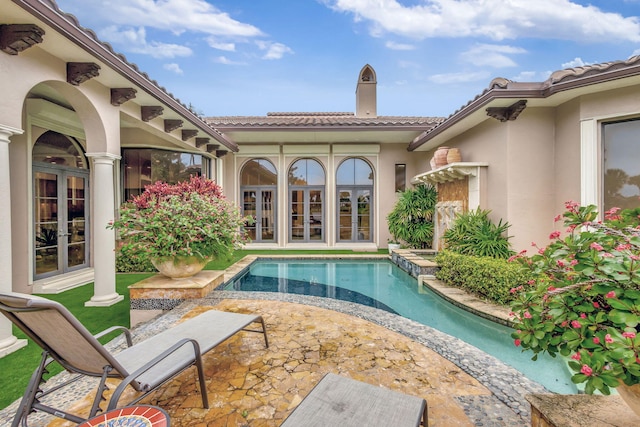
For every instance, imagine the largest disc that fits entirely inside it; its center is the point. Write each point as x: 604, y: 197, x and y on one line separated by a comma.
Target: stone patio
x: 253, y: 386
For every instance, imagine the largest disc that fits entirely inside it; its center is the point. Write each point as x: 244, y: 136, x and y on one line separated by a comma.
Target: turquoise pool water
x: 381, y: 284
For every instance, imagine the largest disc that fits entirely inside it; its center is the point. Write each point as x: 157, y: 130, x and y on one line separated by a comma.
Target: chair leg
x: 203, y: 387
x: 100, y: 393
x: 264, y: 332
x: 33, y: 388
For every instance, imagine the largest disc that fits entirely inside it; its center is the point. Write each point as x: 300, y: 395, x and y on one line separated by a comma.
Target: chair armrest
x: 150, y: 364
x: 125, y: 331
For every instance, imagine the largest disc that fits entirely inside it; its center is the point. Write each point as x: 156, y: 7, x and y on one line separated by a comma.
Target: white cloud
x: 576, y: 62
x: 176, y: 16
x: 491, y: 55
x: 136, y: 41
x: 173, y: 67
x: 399, y: 46
x: 220, y: 45
x: 636, y: 52
x: 226, y: 61
x: 459, y: 77
x: 273, y: 50
x: 168, y: 18
x: 496, y: 19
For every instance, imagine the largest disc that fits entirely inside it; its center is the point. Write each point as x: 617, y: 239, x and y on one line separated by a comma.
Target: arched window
x: 306, y: 201
x: 258, y: 185
x: 354, y: 190
x: 60, y: 200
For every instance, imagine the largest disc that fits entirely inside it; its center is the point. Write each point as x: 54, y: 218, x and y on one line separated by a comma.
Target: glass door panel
x: 315, y: 215
x: 75, y: 232
x: 46, y: 223
x: 249, y: 208
x: 345, y: 215
x: 297, y: 215
x: 364, y: 215
x: 268, y: 216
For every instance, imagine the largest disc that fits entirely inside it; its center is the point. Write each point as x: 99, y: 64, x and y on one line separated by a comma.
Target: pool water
x: 381, y: 284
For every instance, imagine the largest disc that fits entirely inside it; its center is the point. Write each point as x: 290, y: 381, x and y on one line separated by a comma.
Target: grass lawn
x: 17, y: 367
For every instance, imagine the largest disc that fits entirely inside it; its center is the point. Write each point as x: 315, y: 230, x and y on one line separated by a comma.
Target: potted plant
x: 393, y: 244
x: 181, y: 227
x: 585, y: 301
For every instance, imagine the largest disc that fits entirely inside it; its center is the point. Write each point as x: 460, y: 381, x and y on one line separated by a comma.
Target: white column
x: 8, y: 342
x: 589, y: 175
x: 104, y: 209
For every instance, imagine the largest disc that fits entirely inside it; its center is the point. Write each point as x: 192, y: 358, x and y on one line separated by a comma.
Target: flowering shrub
x: 585, y: 300
x: 182, y: 220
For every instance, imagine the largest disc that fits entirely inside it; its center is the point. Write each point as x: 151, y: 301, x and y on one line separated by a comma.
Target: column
x: 104, y: 209
x: 8, y: 342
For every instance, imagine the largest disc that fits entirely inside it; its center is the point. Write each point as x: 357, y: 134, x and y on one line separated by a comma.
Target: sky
x: 431, y: 57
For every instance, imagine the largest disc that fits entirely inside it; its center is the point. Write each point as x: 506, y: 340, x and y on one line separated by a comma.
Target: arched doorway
x: 60, y: 201
x: 258, y: 185
x: 306, y: 201
x: 354, y: 189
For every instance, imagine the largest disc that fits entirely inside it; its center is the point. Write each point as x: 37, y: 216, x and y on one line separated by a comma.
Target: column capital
x: 7, y: 132
x: 106, y: 158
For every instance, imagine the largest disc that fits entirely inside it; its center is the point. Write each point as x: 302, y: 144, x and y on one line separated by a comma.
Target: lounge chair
x: 144, y: 366
x: 344, y: 402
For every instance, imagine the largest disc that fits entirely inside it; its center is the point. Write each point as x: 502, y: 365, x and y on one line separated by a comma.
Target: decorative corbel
x: 221, y: 153
x: 14, y: 38
x: 188, y: 134
x: 80, y: 72
x: 171, y: 125
x: 211, y: 148
x: 507, y: 113
x: 150, y: 112
x: 121, y: 95
x: 201, y: 141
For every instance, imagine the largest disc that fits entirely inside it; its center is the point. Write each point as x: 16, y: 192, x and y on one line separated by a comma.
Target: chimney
x: 366, y: 93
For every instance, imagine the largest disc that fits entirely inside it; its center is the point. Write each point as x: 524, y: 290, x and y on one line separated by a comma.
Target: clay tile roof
x: 293, y: 120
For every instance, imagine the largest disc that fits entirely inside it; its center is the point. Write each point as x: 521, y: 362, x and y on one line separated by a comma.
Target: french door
x: 259, y: 203
x: 306, y: 210
x: 354, y: 214
x: 60, y: 220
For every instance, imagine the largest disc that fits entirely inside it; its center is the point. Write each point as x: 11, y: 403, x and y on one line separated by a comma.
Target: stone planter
x: 180, y: 267
x: 631, y: 396
x: 392, y: 247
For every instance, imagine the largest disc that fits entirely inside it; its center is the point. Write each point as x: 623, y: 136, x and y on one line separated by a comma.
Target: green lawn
x: 17, y: 367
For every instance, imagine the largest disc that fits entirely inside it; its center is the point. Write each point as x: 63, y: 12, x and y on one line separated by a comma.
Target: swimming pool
x: 381, y: 284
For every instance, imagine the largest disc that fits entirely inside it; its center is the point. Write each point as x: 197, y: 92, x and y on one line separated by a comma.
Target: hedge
x: 486, y: 277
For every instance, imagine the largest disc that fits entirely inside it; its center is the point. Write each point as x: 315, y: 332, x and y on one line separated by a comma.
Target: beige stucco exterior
x: 550, y: 154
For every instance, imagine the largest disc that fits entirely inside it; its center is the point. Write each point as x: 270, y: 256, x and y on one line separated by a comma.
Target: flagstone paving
x: 253, y: 386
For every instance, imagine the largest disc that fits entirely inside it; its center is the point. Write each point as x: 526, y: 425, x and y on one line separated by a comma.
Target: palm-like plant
x: 411, y: 220
x: 473, y: 233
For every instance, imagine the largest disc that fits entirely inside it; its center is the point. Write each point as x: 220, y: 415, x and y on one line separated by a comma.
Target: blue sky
x: 250, y: 57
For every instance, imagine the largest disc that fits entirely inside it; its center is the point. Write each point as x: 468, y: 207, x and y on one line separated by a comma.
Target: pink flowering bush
x: 584, y: 303
x: 188, y: 219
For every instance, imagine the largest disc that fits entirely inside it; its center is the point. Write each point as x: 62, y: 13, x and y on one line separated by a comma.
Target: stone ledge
x: 157, y: 294
x: 162, y: 287
x: 579, y: 410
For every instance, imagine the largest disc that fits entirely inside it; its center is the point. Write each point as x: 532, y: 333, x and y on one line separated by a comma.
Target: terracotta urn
x: 631, y: 396
x: 453, y: 155
x: 179, y: 267
x: 432, y: 163
x: 441, y: 156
